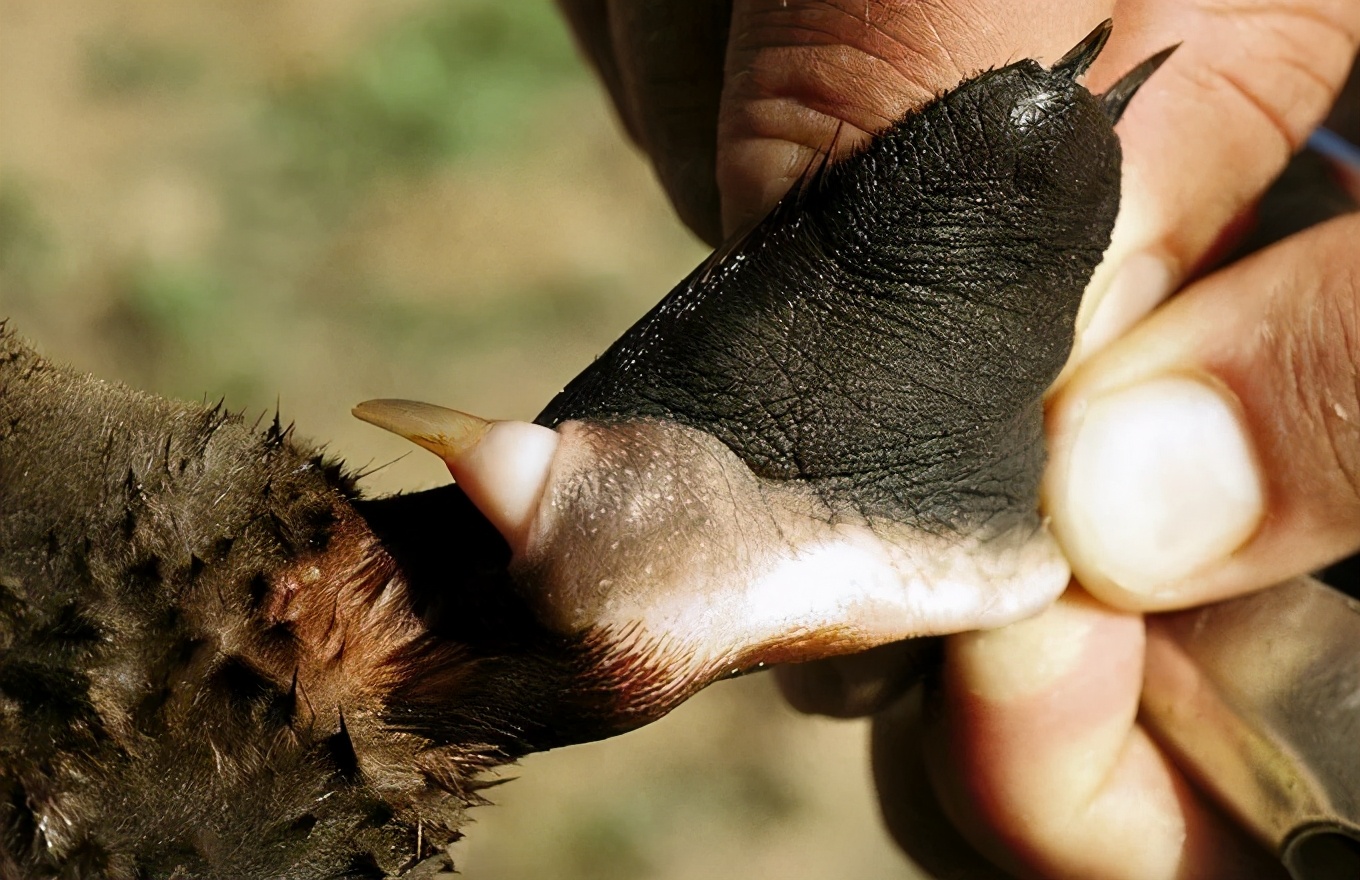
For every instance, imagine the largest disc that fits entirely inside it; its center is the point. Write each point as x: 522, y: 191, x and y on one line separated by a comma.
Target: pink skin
x: 1057, y: 778
x: 1044, y: 713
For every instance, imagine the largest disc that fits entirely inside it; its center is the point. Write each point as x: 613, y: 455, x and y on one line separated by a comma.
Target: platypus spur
x: 219, y: 660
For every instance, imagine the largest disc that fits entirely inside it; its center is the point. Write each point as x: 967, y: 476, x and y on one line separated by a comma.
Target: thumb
x: 1216, y: 449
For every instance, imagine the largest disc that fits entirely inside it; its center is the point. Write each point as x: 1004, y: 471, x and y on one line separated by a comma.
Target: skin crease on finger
x: 799, y: 72
x: 1032, y: 747
x: 798, y: 75
x: 1250, y: 83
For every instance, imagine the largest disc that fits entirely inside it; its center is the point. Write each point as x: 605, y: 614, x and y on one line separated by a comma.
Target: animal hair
x: 210, y: 665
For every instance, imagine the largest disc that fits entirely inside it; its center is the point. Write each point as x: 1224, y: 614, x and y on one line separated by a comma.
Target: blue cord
x: 1334, y: 146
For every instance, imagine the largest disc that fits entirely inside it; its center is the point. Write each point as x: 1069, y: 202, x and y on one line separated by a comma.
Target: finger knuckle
x: 1286, y: 62
x: 1320, y: 361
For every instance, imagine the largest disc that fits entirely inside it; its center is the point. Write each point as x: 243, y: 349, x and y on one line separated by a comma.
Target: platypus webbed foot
x: 829, y: 436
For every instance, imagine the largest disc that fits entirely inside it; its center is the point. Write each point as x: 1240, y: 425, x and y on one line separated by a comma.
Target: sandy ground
x: 314, y: 202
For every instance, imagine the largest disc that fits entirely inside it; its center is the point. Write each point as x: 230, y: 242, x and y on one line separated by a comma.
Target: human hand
x: 1030, y: 741
x: 1035, y: 750
x: 1115, y: 806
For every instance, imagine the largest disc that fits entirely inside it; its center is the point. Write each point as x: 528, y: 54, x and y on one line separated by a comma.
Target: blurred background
x: 314, y: 202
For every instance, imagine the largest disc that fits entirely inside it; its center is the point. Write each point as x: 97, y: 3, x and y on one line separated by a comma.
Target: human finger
x: 1216, y: 449
x: 662, y: 63
x: 1036, y: 756
x: 911, y: 811
x: 802, y: 73
x: 1248, y: 84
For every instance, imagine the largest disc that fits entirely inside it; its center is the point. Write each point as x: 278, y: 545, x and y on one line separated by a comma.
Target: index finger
x: 1247, y: 86
x: 804, y: 73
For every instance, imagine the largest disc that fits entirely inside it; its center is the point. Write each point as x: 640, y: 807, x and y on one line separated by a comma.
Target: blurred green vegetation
x: 617, y: 838
x: 459, y: 79
x: 422, y: 96
x: 122, y: 66
x: 25, y: 242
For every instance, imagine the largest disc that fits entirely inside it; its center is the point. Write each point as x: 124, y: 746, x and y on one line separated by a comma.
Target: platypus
x: 217, y: 659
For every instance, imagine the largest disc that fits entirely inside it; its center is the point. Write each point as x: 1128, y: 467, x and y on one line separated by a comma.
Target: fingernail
x: 1140, y: 282
x: 1161, y: 483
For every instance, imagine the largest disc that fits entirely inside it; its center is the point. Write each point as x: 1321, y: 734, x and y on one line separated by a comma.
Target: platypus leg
x: 829, y: 436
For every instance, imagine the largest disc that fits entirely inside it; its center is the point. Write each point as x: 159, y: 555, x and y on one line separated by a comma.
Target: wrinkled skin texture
x: 886, y: 336
x: 846, y: 399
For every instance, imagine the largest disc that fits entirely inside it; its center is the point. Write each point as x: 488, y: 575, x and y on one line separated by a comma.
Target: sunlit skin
x: 1032, y: 734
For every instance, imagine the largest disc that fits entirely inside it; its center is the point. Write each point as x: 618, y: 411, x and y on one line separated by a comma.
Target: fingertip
x: 753, y: 176
x: 1032, y: 754
x: 1141, y: 268
x: 857, y: 684
x: 1210, y: 452
x: 1031, y: 658
x: 1119, y: 297
x: 1021, y: 701
x: 1158, y: 481
x: 1036, y: 754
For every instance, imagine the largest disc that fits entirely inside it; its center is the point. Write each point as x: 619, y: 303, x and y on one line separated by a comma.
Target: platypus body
x: 218, y: 660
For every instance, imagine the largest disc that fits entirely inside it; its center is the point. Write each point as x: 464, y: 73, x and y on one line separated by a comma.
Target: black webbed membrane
x: 829, y: 436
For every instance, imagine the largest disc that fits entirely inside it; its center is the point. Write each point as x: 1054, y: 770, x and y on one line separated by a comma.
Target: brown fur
x: 217, y: 661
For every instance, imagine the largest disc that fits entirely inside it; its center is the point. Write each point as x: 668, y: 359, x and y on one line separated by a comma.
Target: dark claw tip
x: 1075, y: 62
x: 1117, y: 98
